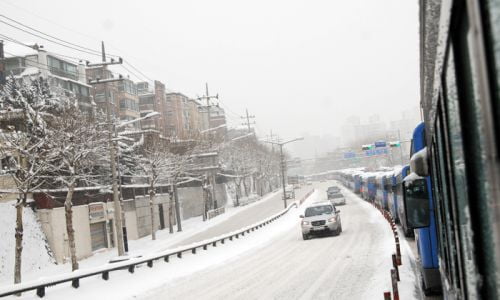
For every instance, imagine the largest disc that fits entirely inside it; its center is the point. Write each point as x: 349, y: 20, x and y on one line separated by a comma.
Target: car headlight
x: 305, y: 223
x: 332, y: 220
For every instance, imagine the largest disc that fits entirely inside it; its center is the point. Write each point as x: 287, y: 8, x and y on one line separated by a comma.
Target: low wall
x: 191, y: 200
x: 53, y: 223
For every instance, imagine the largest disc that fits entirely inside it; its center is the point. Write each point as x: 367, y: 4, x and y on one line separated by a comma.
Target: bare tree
x: 154, y: 162
x: 77, y: 145
x: 25, y: 140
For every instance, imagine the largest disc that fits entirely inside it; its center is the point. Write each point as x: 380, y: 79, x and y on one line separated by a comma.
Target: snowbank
x: 35, y: 255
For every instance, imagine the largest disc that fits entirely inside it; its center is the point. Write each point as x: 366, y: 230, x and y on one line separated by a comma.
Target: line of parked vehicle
x: 408, y: 198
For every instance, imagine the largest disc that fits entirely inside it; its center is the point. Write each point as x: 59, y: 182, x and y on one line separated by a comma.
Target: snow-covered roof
x: 15, y: 50
x: 30, y: 71
x: 71, y: 80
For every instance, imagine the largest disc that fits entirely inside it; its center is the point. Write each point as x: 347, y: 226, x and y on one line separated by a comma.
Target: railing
x: 104, y: 271
x: 306, y: 196
x: 215, y: 212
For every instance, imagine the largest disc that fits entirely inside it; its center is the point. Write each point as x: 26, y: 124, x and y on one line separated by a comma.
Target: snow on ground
x: 408, y: 286
x: 36, y: 266
x: 34, y: 255
x: 271, y: 263
x: 354, y: 265
x: 123, y: 285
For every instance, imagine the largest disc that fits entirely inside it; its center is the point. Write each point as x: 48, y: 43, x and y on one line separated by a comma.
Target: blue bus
x: 382, y: 193
x: 363, y: 186
x: 357, y: 183
x: 398, y: 206
x: 419, y: 206
x: 371, y: 188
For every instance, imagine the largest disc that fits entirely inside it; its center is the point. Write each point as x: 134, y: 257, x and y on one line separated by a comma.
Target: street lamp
x: 120, y: 234
x: 282, y: 162
x: 213, y: 128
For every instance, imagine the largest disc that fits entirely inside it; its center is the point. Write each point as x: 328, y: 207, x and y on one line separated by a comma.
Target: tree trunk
x: 205, y: 200
x: 170, y: 212
x: 152, y: 207
x: 236, y: 191
x: 177, y: 209
x: 68, y: 208
x: 19, y: 238
x: 245, y: 187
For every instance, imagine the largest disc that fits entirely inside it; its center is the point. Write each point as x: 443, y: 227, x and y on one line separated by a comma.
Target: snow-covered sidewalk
x: 123, y: 285
x: 38, y: 266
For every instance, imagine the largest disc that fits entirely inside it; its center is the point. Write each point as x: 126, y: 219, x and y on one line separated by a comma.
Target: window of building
x: 128, y: 104
x: 62, y: 68
x: 127, y: 86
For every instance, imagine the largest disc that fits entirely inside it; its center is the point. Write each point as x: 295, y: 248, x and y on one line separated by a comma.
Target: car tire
x: 305, y: 236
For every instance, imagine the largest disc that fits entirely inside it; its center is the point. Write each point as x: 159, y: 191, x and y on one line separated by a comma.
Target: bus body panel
x: 427, y: 243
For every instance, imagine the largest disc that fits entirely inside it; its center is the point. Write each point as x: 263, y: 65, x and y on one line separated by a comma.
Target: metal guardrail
x: 104, y: 271
x: 306, y: 196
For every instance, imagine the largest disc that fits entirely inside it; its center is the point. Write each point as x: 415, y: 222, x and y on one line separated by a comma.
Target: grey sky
x: 299, y: 66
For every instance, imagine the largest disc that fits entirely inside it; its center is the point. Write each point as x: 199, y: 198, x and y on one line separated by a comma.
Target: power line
x: 135, y: 75
x: 130, y: 65
x: 48, y: 20
x: 51, y: 36
x: 86, y: 49
x: 16, y: 41
x: 76, y: 59
x: 47, y: 39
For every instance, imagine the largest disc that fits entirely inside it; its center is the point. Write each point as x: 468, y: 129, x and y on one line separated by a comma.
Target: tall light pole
x: 282, y: 159
x: 120, y: 228
x: 111, y: 128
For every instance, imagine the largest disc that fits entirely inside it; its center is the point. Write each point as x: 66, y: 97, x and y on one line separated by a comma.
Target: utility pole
x: 400, y: 146
x: 119, y: 228
x: 283, y: 166
x: 2, y: 64
x: 271, y: 138
x: 207, y: 97
x: 247, y: 123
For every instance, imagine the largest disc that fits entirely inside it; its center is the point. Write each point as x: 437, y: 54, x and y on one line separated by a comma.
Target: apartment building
x: 176, y: 117
x: 152, y: 99
x: 121, y: 97
x: 213, y: 117
x: 62, y: 74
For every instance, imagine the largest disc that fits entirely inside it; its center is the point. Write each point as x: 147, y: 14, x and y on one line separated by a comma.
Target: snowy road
x: 257, y: 212
x: 271, y: 263
x: 353, y: 265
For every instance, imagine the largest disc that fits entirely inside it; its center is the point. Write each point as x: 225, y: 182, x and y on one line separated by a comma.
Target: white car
x: 337, y: 199
x: 321, y: 218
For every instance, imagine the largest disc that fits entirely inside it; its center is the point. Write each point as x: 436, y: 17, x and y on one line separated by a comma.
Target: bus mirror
x: 419, y: 163
x: 416, y: 202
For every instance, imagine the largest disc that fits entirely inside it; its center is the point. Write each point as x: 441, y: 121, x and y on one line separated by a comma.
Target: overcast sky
x: 298, y: 66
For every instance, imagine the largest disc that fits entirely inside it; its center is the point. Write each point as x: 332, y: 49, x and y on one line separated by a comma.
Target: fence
x: 306, y: 196
x: 215, y: 212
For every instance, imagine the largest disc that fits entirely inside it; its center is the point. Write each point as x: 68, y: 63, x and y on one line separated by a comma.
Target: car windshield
x: 318, y: 210
x: 336, y: 195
